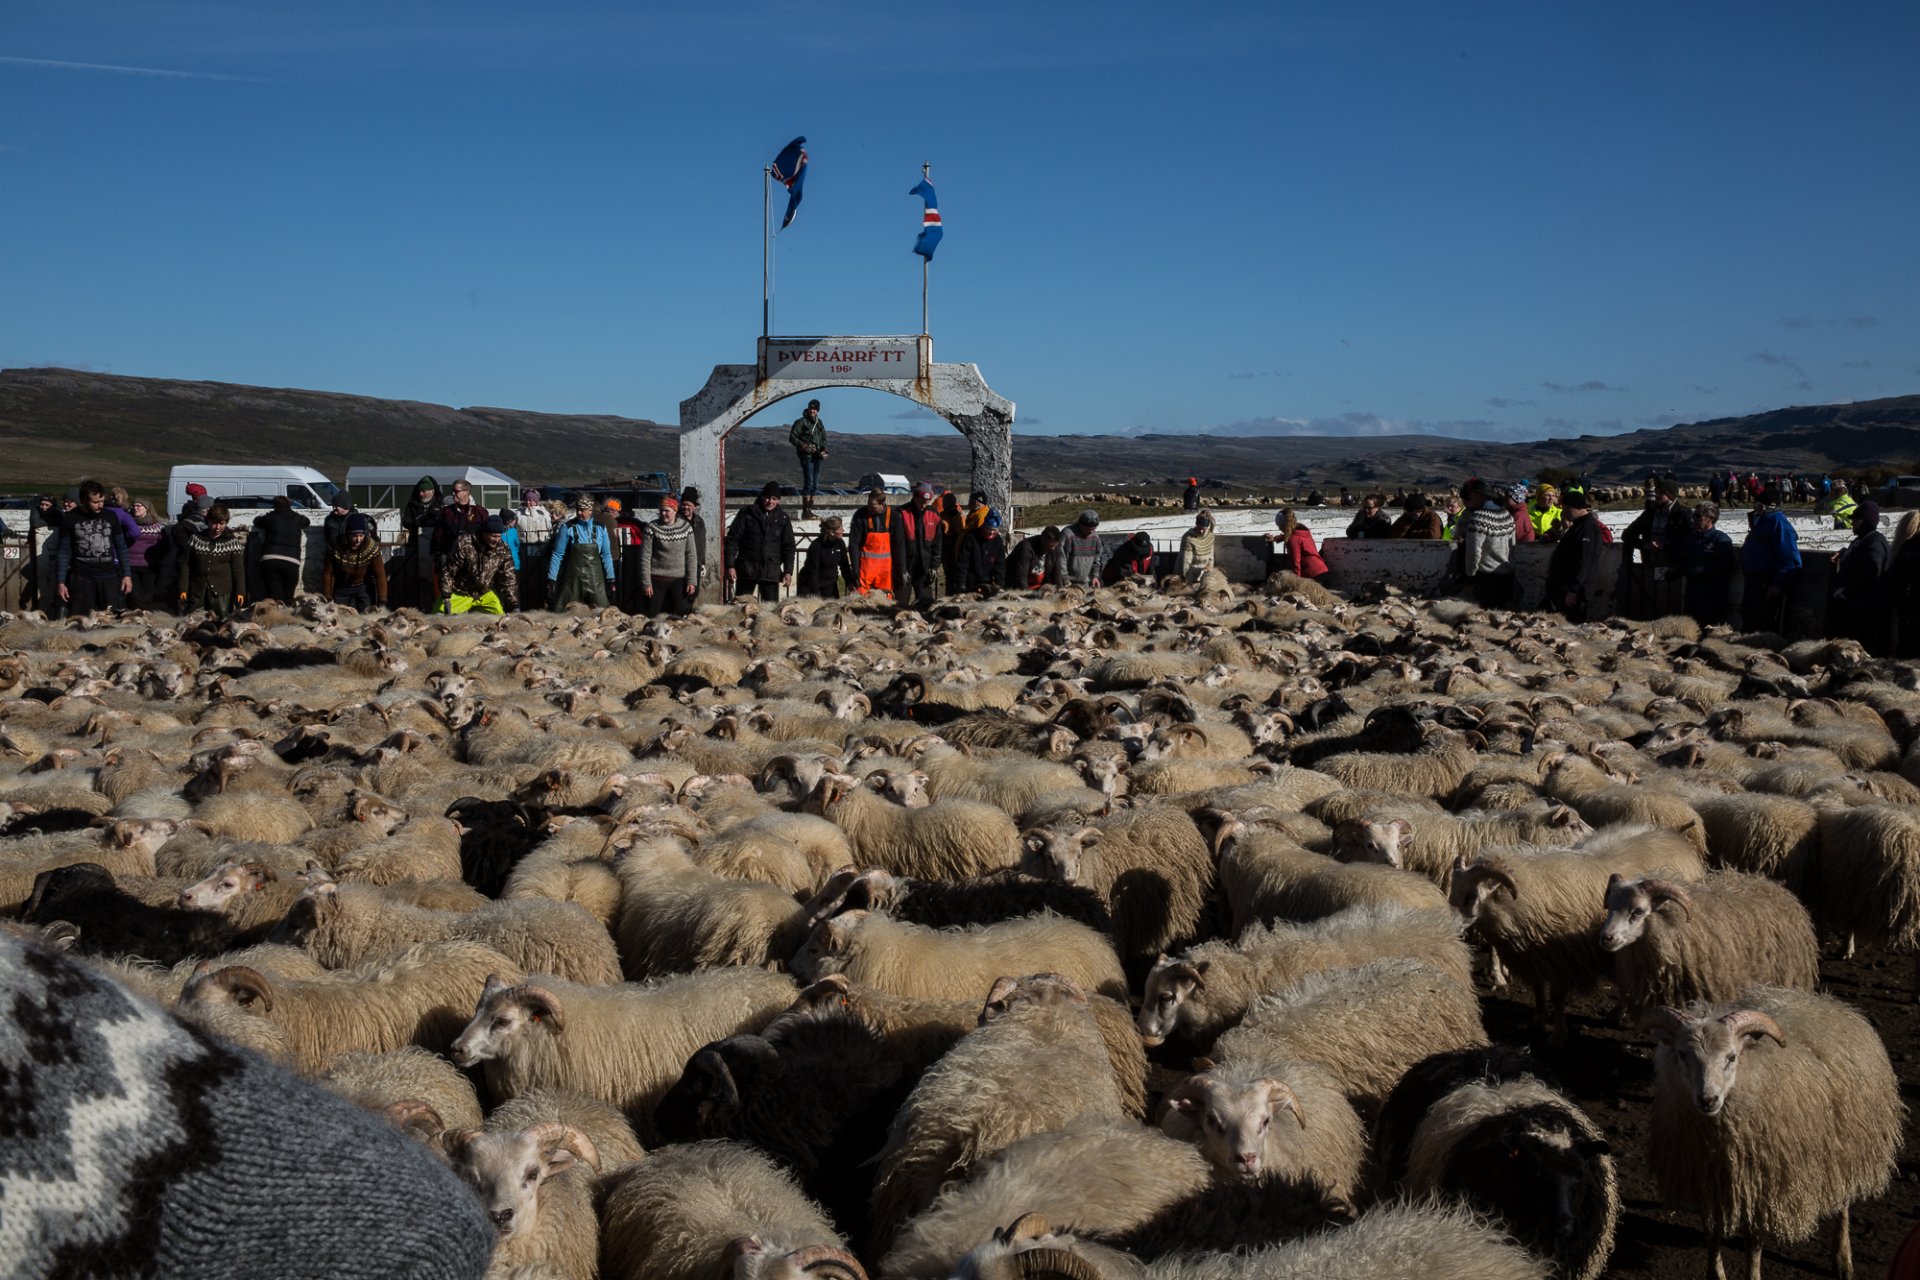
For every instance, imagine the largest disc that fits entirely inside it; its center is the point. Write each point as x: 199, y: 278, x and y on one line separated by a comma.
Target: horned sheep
x: 1151, y: 864
x: 1765, y: 1139
x: 956, y: 964
x: 949, y: 839
x: 1673, y: 944
x: 1257, y: 1115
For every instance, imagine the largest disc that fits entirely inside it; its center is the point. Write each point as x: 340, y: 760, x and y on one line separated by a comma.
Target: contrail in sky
x: 128, y: 71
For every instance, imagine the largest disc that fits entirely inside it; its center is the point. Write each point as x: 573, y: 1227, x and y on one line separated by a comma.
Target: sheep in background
x: 345, y: 925
x: 1152, y: 866
x: 678, y: 917
x: 1767, y: 835
x: 1258, y: 1116
x: 948, y: 840
x: 1096, y: 1176
x: 1767, y: 1139
x: 1865, y: 885
x: 109, y: 920
x: 1036, y: 1063
x: 1366, y: 1025
x: 1207, y: 989
x: 701, y: 1210
x: 624, y: 1044
x: 1428, y: 843
x: 1606, y: 801
x: 955, y: 964
x: 422, y: 996
x: 946, y: 904
x: 377, y: 1081
x: 1673, y: 944
x: 1540, y: 909
x: 1435, y: 769
x: 1265, y: 876
x: 1013, y: 784
x: 793, y: 851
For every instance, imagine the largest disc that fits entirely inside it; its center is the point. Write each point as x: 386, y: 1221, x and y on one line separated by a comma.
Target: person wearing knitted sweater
x: 354, y: 574
x: 135, y: 1145
x: 213, y: 567
x: 1196, y: 547
x: 1486, y: 536
x: 669, y: 563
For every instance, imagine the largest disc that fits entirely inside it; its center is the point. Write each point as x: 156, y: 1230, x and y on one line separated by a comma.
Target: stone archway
x: 797, y: 366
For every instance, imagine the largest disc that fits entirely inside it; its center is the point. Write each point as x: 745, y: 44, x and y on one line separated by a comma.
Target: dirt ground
x: 1609, y: 1070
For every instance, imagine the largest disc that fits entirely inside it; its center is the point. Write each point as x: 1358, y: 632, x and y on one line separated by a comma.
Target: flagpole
x: 926, y: 175
x: 766, y: 249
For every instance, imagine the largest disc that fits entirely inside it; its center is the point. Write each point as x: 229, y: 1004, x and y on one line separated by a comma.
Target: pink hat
x: 196, y: 491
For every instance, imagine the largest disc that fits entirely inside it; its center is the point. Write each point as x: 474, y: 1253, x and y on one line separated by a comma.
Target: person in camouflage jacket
x: 480, y: 574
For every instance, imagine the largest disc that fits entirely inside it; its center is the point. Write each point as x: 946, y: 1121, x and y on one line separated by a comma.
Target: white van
x: 250, y: 486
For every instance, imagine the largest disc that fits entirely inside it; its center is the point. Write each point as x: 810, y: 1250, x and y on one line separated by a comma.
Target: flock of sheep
x: 1117, y: 935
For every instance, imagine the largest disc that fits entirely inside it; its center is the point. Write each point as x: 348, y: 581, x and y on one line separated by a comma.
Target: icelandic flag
x: 929, y: 221
x: 790, y: 171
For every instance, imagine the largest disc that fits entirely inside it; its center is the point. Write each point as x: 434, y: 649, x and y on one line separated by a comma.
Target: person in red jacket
x: 1293, y: 545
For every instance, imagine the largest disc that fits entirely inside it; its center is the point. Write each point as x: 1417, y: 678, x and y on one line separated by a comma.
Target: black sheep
x: 982, y: 899
x: 1237, y: 1213
x: 494, y: 836
x: 112, y: 921
x: 1431, y: 1079
x: 817, y: 1093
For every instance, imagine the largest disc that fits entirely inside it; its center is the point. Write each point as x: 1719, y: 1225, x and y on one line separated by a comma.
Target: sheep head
x: 311, y: 911
x: 224, y: 883
x: 1360, y: 840
x: 827, y: 945
x: 1230, y: 1122
x: 146, y: 836
x: 380, y: 815
x: 507, y: 1168
x: 1057, y: 853
x: 1170, y: 985
x: 1631, y: 903
x: 907, y: 788
x: 1478, y: 883
x: 1038, y: 989
x: 504, y: 1015
x: 1703, y: 1054
x: 750, y: 1258
x: 235, y: 985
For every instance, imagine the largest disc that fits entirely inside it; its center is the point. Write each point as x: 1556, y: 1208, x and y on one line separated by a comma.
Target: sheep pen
x: 636, y: 769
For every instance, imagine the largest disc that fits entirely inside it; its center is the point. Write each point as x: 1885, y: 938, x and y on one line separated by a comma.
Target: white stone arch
x: 735, y: 392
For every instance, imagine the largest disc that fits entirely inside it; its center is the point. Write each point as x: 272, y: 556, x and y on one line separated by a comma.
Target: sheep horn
x: 1488, y: 871
x: 241, y: 980
x: 1063, y: 1263
x: 413, y: 1114
x: 825, y: 1255
x: 1667, y: 891
x: 552, y: 1134
x: 1028, y: 1226
x: 1752, y: 1022
x: 778, y: 767
x: 1282, y: 1093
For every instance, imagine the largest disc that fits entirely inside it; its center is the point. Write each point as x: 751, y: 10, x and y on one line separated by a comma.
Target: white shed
x: 374, y: 487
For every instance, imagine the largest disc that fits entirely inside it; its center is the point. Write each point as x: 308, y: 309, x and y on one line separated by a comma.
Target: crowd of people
x: 107, y: 550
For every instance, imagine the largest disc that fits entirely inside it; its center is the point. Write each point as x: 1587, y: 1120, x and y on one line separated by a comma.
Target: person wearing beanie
x: 1418, y: 519
x: 93, y: 569
x: 983, y: 558
x: 480, y: 575
x: 353, y: 573
x: 870, y: 543
x: 283, y: 549
x: 1575, y: 566
x: 953, y: 527
x: 137, y: 1144
x: 808, y: 436
x: 761, y: 546
x: 213, y: 569
x: 669, y: 563
x: 1196, y: 547
x: 914, y: 530
x: 1036, y: 562
x: 1861, y: 607
x: 1516, y: 505
x: 690, y: 512
x: 334, y: 526
x: 1083, y: 553
x: 1190, y: 500
x: 1134, y: 558
x: 1486, y: 533
x: 580, y: 565
x: 827, y: 563
x: 420, y: 518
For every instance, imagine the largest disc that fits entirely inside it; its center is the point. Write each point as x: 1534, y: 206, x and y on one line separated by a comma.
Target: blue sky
x: 1495, y: 220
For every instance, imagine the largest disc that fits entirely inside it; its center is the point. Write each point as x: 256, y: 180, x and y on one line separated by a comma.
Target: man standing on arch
x: 809, y: 440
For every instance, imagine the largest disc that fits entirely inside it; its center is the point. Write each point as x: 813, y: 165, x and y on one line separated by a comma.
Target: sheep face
x: 506, y: 1169
x: 825, y: 950
x: 1543, y: 1173
x: 375, y: 812
x: 1702, y: 1055
x: 309, y: 913
x: 224, y: 883
x: 1630, y: 904
x: 505, y: 1015
x: 1477, y: 886
x: 1232, y: 1121
x: 1358, y: 841
x: 1056, y: 853
x: 753, y: 1259
x: 1169, y: 986
x: 144, y: 836
x: 1034, y: 989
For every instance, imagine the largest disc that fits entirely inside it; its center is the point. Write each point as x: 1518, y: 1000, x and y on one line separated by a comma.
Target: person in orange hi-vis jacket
x: 872, y: 544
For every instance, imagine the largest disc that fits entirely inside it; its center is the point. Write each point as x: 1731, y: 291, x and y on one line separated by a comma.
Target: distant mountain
x: 58, y: 425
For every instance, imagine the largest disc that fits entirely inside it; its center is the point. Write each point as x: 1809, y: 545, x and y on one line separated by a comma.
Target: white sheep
x: 677, y: 917
x: 956, y: 964
x: 536, y: 1183
x: 1265, y: 875
x: 950, y: 839
x: 1765, y: 1139
x: 1256, y: 1115
x: 1673, y: 944
x: 1151, y: 864
x: 625, y: 1044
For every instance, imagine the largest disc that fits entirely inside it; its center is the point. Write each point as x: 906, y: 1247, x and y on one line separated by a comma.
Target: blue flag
x: 929, y: 221
x: 790, y: 171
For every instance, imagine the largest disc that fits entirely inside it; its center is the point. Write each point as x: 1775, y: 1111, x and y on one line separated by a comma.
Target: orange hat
x: 1191, y: 480
x: 613, y: 504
